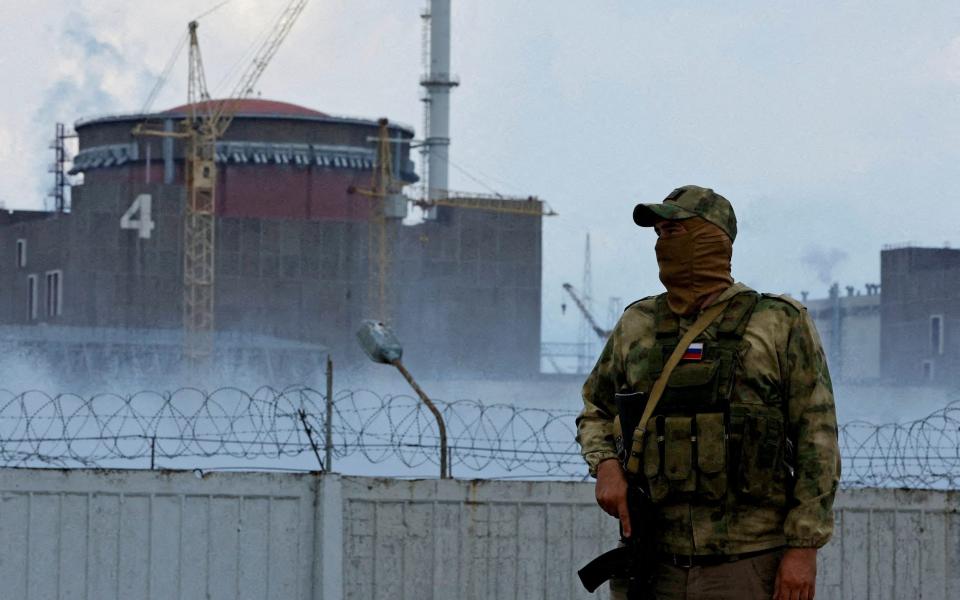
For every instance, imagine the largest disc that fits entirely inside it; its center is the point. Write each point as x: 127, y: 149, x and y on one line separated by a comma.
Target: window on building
x: 21, y: 253
x: 32, y: 297
x: 936, y: 334
x: 54, y: 293
x: 927, y: 370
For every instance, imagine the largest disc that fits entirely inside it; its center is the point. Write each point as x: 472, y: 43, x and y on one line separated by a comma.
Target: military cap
x: 686, y: 202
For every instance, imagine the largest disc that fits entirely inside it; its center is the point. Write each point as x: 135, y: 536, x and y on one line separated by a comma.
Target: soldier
x: 740, y: 456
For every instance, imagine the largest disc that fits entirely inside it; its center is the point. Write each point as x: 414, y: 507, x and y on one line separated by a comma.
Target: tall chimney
x: 437, y: 82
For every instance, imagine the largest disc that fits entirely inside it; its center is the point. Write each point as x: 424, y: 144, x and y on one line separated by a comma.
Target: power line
x: 164, y: 75
x: 212, y: 10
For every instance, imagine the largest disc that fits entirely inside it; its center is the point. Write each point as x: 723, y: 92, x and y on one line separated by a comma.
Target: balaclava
x: 694, y: 265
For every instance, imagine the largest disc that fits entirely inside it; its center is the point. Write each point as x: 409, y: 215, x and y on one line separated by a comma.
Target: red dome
x: 259, y: 107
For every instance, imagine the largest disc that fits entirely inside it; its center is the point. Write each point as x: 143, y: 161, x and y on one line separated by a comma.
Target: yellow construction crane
x: 518, y: 205
x: 388, y: 202
x: 207, y: 122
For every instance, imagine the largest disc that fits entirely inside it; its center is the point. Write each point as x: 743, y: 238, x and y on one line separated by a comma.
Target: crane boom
x: 528, y: 205
x: 226, y: 109
x: 602, y: 333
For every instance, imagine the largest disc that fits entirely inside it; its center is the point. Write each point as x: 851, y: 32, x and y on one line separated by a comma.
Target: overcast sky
x: 833, y: 127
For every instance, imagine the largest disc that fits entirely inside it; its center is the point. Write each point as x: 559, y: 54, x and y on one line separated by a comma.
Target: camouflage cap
x: 686, y: 202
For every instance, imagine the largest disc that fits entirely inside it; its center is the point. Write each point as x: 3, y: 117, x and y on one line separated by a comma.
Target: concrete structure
x: 150, y: 534
x: 906, y: 335
x: 437, y: 82
x: 849, y: 327
x: 920, y: 315
x: 291, y: 246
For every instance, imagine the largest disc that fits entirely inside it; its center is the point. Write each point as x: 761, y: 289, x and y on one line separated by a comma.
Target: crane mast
x: 199, y: 231
x: 383, y: 188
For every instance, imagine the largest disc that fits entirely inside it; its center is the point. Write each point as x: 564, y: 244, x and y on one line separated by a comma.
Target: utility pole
x: 586, y: 328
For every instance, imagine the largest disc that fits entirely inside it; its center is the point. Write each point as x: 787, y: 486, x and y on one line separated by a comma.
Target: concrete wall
x: 450, y: 539
x: 849, y: 327
x: 468, y: 289
x: 103, y: 535
x: 919, y: 283
x: 42, y: 256
x: 465, y: 289
x: 892, y: 544
x: 143, y: 534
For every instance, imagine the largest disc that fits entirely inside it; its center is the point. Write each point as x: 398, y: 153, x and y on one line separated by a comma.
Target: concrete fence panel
x: 500, y: 540
x: 99, y: 535
x: 162, y: 535
x: 893, y: 544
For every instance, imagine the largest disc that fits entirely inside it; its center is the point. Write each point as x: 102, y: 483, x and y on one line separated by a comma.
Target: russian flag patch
x: 694, y: 351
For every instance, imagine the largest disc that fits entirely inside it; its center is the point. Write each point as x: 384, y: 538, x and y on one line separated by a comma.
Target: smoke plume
x: 823, y: 261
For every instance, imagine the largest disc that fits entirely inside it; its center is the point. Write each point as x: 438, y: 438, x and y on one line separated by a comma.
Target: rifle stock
x: 609, y: 565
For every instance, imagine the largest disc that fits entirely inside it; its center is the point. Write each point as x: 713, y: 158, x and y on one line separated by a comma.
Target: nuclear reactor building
x: 104, y: 279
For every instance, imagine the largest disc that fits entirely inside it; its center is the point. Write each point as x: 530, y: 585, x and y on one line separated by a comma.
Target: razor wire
x: 189, y: 427
x: 68, y: 430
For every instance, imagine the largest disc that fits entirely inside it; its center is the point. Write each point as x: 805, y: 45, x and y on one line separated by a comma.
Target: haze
x: 833, y: 127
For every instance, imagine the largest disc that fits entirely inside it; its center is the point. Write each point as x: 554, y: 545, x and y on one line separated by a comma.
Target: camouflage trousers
x: 747, y: 579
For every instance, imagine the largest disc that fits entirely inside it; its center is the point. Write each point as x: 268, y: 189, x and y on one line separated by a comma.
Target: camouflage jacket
x: 782, y: 357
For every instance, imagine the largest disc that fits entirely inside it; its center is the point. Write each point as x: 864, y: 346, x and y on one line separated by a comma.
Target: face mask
x: 694, y: 265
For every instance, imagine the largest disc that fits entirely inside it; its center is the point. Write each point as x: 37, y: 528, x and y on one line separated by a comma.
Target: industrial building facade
x: 849, y: 328
x: 291, y: 246
x: 906, y: 335
x: 920, y: 313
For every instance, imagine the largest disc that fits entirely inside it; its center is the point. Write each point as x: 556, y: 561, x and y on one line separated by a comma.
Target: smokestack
x: 437, y: 82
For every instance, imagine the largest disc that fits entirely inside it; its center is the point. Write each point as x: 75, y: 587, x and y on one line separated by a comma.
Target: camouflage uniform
x: 766, y: 466
x: 781, y: 364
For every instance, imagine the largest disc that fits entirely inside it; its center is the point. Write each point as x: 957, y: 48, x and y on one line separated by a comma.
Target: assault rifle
x: 634, y: 560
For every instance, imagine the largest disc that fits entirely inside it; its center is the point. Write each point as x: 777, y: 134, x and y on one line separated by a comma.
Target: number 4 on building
x: 138, y: 216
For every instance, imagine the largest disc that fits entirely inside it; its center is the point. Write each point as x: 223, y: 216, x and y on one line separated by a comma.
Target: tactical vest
x: 701, y: 441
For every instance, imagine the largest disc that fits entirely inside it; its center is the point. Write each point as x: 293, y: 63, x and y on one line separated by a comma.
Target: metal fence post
x: 328, y: 442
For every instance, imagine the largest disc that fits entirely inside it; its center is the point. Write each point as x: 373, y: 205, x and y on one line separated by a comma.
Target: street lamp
x: 382, y: 346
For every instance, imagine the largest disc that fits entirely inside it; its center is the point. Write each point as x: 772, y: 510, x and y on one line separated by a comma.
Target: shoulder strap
x: 733, y: 322
x: 707, y: 317
x: 668, y: 325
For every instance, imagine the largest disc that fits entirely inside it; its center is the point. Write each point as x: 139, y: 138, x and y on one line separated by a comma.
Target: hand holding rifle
x: 611, y: 491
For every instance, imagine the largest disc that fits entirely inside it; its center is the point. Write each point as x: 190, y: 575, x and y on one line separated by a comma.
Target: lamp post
x: 382, y: 346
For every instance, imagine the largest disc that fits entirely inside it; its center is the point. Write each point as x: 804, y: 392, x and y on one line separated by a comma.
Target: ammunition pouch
x: 686, y: 457
x: 762, y: 473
